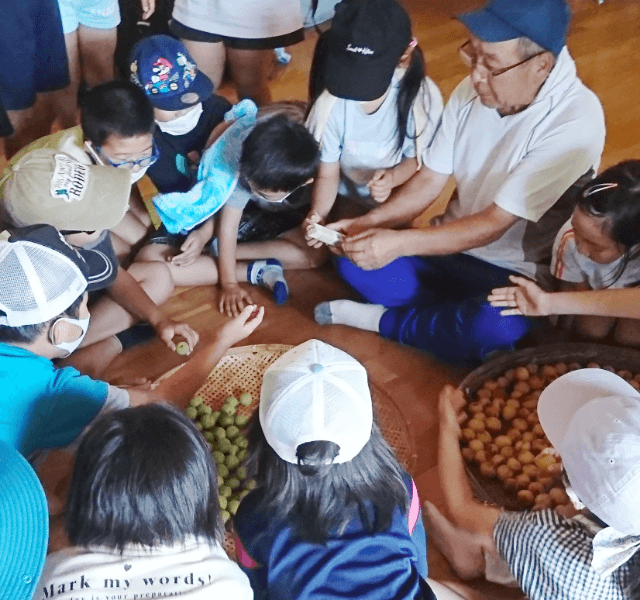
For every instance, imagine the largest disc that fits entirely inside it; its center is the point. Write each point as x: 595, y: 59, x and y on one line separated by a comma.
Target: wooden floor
x: 604, y: 40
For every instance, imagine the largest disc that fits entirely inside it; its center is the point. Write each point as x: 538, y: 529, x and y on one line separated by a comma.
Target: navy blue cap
x: 164, y: 69
x: 545, y: 22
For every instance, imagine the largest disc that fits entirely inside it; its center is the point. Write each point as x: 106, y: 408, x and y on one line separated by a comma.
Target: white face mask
x: 137, y: 175
x: 71, y: 346
x: 183, y: 124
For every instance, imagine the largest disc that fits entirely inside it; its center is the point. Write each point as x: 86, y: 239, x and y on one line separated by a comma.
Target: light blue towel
x: 217, y: 176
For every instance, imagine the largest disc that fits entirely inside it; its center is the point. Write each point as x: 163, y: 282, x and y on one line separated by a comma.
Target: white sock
x: 348, y: 312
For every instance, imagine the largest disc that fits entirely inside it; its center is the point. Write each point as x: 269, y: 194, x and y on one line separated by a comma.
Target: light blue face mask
x: 71, y: 346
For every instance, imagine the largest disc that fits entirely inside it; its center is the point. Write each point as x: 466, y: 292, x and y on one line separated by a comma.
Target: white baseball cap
x: 316, y: 392
x: 592, y: 417
x: 41, y: 276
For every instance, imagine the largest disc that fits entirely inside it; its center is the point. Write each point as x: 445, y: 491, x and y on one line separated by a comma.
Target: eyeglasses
x: 143, y: 163
x: 470, y: 58
x: 262, y: 196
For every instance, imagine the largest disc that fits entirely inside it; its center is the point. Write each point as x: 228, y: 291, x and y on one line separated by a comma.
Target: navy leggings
x: 439, y: 304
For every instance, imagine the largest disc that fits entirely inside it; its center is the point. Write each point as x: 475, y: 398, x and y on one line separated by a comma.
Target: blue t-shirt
x: 41, y: 406
x: 353, y: 565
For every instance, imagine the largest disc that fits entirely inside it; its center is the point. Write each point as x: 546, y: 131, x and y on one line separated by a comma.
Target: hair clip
x: 600, y: 187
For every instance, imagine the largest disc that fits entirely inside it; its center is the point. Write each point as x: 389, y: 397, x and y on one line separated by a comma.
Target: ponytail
x: 409, y: 88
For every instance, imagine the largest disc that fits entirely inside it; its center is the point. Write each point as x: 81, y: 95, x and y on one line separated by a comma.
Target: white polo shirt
x: 522, y: 162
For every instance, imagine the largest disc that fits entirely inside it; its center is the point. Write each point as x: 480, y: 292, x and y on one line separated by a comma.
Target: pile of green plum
x: 222, y: 430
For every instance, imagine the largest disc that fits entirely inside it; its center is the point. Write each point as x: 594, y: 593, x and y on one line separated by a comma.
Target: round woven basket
x: 241, y: 370
x: 491, y: 490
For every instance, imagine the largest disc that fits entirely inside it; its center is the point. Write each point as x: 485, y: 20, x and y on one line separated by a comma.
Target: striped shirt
x: 550, y: 557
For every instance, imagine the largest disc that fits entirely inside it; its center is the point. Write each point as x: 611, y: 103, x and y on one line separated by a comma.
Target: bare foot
x: 462, y: 549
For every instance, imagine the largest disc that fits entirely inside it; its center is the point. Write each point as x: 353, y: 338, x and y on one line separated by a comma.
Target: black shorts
x: 280, y: 41
x: 33, y: 56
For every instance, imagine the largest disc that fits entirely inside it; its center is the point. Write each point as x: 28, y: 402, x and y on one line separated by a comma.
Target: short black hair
x: 318, y: 498
x: 143, y: 476
x: 279, y: 155
x: 115, y: 107
x: 27, y: 334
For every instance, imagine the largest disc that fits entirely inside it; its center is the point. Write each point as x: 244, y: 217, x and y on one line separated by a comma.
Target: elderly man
x: 516, y: 135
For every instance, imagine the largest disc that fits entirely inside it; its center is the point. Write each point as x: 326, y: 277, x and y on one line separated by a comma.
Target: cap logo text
x: 70, y: 179
x: 360, y: 49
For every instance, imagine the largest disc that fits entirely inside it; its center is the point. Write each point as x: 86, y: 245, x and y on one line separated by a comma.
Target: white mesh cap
x: 37, y: 283
x: 316, y: 392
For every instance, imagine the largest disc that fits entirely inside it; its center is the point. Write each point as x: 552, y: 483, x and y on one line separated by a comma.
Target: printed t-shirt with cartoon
x: 567, y: 264
x: 172, y: 172
x: 354, y: 564
x: 193, y: 570
x: 364, y: 143
x: 44, y: 407
x: 522, y: 163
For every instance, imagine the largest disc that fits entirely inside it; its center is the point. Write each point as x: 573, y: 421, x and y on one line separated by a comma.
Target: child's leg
x: 290, y: 249
x: 210, y: 58
x: 250, y: 70
x: 109, y: 318
x: 127, y: 234
x: 65, y: 101
x: 592, y: 326
x: 97, y: 48
x: 627, y: 332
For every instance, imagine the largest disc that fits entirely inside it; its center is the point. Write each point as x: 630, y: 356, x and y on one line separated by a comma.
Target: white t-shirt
x: 246, y: 19
x: 568, y: 264
x: 365, y: 142
x: 522, y: 162
x: 194, y: 571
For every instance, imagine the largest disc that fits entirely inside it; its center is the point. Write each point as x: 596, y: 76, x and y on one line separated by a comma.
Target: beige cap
x: 51, y: 187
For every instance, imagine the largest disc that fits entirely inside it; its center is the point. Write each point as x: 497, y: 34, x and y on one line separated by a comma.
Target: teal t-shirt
x: 41, y: 406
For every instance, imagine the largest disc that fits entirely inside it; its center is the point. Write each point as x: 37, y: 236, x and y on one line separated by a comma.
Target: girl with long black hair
x: 334, y: 515
x: 373, y: 110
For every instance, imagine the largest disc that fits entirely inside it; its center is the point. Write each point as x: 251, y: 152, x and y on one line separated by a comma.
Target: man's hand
x: 233, y: 299
x: 526, y: 298
x: 148, y: 8
x: 167, y: 329
x: 381, y: 184
x: 241, y: 326
x: 373, y: 249
x: 190, y: 249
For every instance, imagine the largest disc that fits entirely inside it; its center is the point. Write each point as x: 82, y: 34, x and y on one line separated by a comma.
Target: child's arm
x: 194, y: 244
x: 527, y: 298
x: 323, y: 197
x: 384, y: 180
x: 463, y: 508
x: 233, y: 298
x: 128, y: 293
x: 186, y: 382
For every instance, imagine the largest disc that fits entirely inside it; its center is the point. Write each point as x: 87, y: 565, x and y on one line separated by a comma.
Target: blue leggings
x: 439, y: 304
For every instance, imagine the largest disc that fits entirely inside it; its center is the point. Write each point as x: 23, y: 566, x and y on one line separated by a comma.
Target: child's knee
x: 627, y: 332
x: 493, y: 329
x: 155, y: 279
x: 155, y: 253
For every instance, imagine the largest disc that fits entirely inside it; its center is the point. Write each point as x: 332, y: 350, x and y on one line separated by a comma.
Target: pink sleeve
x: 414, y: 508
x: 244, y: 559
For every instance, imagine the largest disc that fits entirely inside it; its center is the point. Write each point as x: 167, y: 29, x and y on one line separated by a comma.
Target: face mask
x: 183, y: 124
x: 137, y: 175
x: 71, y: 346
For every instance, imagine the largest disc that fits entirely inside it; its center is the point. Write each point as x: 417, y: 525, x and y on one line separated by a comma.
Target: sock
x: 135, y: 335
x: 270, y: 274
x: 348, y: 312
